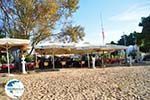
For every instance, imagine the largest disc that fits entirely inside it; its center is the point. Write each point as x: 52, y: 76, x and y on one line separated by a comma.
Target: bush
x: 3, y: 59
x: 29, y: 58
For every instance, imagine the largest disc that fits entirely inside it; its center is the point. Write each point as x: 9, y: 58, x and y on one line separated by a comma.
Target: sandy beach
x: 115, y: 83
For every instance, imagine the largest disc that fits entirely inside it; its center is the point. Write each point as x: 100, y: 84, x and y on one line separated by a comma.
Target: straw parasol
x: 54, y: 48
x: 7, y: 43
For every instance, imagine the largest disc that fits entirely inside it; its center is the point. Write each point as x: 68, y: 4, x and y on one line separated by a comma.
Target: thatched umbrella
x: 8, y: 43
x: 89, y: 48
x: 54, y: 48
x: 85, y: 48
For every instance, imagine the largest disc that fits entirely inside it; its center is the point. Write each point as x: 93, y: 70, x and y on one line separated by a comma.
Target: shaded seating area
x: 11, y: 51
x: 78, y: 55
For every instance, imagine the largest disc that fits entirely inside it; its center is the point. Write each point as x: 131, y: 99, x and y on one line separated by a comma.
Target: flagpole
x: 102, y: 28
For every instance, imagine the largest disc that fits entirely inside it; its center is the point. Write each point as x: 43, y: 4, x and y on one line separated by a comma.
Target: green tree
x: 112, y: 42
x: 71, y: 34
x: 34, y: 18
x: 144, y: 37
x: 128, y: 39
x: 1, y: 34
x: 123, y: 40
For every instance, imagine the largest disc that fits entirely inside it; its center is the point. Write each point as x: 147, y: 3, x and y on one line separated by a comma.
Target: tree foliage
x: 128, y: 39
x: 112, y: 42
x: 34, y: 18
x: 71, y: 34
x: 144, y: 37
x: 1, y: 34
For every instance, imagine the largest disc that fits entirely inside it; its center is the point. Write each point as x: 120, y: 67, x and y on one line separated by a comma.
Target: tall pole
x: 88, y: 56
x: 53, y: 57
x: 102, y: 28
x: 8, y: 60
x: 124, y: 39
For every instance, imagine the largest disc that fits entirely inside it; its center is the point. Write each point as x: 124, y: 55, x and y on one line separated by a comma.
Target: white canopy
x: 113, y: 47
x: 85, y: 45
x: 13, y: 42
x: 77, y: 47
x: 49, y: 45
x: 7, y: 43
x: 53, y: 46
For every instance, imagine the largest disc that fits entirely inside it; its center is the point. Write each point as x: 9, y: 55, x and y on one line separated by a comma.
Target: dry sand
x: 116, y: 83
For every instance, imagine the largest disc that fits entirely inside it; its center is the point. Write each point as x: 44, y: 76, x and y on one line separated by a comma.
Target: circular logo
x: 14, y: 88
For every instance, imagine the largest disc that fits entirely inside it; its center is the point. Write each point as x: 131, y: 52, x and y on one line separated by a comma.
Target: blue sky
x: 119, y: 16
